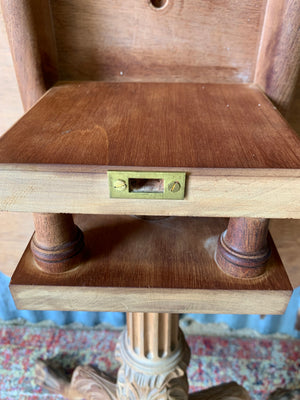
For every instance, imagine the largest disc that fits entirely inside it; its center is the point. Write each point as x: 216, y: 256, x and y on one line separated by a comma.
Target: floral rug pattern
x: 260, y: 364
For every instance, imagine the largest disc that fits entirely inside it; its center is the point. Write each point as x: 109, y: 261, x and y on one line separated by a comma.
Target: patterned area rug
x: 260, y: 364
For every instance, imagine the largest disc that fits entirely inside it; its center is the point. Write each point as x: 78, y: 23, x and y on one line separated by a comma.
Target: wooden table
x: 151, y: 113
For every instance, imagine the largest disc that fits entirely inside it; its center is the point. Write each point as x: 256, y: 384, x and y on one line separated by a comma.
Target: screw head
x: 120, y: 185
x: 174, y: 186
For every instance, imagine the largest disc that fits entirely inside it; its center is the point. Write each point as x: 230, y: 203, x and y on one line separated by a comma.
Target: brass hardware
x: 174, y: 187
x: 146, y: 185
x: 120, y: 185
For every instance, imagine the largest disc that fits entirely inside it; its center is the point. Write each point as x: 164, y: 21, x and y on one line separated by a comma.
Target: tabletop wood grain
x: 153, y: 125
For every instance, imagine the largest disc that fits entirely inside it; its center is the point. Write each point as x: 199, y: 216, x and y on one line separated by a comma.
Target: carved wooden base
x: 86, y: 383
x: 154, y: 357
x: 91, y: 384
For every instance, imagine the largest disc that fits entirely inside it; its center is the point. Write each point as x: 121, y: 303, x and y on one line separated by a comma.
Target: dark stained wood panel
x: 153, y: 125
x: 131, y: 262
x: 189, y: 40
x: 30, y: 33
x: 278, y: 62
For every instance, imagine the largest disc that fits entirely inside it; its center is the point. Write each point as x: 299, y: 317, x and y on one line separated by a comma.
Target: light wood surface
x: 279, y: 55
x: 156, y: 266
x: 129, y: 40
x: 16, y: 230
x: 209, y: 192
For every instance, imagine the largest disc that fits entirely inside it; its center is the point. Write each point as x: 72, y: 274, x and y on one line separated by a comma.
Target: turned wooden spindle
x: 243, y: 249
x: 57, y: 244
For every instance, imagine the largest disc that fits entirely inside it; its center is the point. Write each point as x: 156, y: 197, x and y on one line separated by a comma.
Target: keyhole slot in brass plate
x: 146, y: 185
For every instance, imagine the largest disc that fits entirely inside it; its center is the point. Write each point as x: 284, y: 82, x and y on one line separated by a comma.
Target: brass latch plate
x: 146, y: 185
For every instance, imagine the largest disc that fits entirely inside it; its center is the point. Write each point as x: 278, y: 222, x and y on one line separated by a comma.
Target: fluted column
x: 154, y: 357
x: 151, y: 335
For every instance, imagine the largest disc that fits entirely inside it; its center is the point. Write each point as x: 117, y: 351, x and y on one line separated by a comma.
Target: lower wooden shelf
x: 161, y: 265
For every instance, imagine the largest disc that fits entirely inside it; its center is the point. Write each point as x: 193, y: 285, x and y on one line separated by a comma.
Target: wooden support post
x: 154, y: 357
x: 57, y: 243
x: 243, y: 248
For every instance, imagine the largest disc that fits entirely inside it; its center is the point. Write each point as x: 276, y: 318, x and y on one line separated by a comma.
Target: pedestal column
x: 154, y: 357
